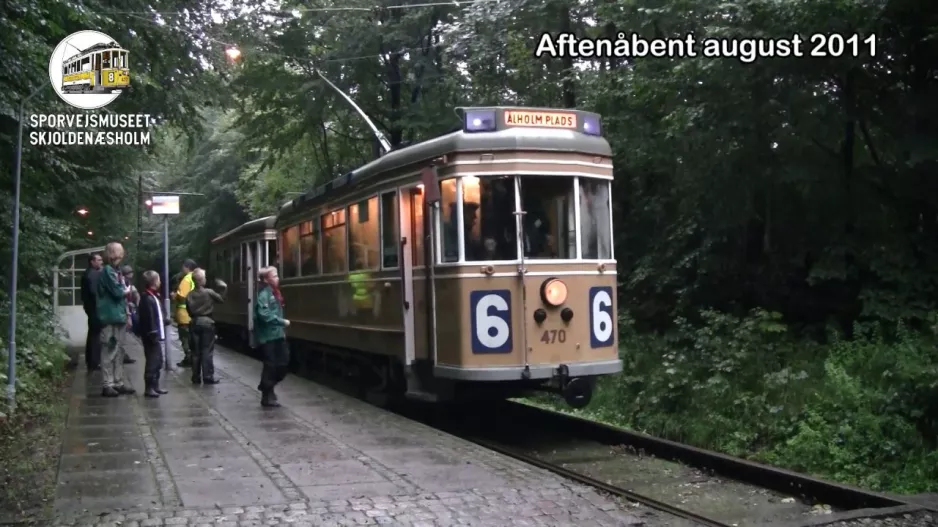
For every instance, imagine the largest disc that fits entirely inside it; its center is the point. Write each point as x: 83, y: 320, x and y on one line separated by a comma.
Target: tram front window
x: 549, y: 221
x: 488, y: 218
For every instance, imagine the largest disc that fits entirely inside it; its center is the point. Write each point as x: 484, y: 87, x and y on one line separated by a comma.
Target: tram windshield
x: 548, y: 230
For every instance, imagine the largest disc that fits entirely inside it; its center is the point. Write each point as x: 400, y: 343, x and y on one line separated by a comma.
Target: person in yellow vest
x: 186, y: 285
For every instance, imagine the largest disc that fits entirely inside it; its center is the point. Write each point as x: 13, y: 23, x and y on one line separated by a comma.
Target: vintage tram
x: 101, y: 68
x: 478, y: 264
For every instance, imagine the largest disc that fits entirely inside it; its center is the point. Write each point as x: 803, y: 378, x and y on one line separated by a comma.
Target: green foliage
x: 859, y: 410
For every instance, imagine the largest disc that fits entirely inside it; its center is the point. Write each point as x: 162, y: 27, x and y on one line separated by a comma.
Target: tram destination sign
x: 540, y: 119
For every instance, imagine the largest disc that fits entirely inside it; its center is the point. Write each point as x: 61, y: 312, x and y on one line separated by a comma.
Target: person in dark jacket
x: 269, y: 326
x: 152, y: 322
x: 89, y: 288
x: 200, y: 304
x: 111, y: 306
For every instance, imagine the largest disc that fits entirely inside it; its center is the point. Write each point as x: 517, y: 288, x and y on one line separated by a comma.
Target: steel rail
x: 764, y: 476
x: 593, y: 482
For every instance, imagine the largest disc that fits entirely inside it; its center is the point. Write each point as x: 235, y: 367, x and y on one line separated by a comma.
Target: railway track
x: 735, y: 492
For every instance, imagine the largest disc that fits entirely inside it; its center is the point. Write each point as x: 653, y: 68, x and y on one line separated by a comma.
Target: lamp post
x: 15, y: 260
x: 166, y: 204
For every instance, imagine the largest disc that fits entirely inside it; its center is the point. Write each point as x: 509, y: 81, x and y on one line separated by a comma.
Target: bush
x: 860, y: 411
x: 30, y: 438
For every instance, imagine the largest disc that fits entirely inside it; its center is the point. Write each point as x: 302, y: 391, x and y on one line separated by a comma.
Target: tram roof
x: 252, y: 227
x: 502, y: 138
x: 96, y: 47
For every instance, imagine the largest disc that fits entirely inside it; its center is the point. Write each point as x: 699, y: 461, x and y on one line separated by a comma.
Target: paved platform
x: 213, y: 456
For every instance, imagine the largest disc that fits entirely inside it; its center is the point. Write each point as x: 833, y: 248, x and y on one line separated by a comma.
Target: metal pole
x: 167, y: 348
x: 137, y: 261
x: 11, y: 345
x: 14, y: 264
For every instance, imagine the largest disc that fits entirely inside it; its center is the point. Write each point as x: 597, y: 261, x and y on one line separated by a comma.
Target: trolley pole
x: 14, y: 264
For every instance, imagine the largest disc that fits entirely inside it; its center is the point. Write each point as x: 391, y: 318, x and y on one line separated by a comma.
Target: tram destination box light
x: 480, y: 121
x: 592, y: 126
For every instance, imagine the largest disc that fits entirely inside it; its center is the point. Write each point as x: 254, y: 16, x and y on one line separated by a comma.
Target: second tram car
x: 474, y: 265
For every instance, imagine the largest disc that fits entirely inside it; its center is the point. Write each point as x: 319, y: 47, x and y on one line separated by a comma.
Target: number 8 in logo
x: 490, y: 321
x: 110, y: 76
x: 602, y: 330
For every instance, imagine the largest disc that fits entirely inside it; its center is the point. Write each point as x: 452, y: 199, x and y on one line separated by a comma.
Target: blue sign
x: 602, y: 322
x: 490, y: 321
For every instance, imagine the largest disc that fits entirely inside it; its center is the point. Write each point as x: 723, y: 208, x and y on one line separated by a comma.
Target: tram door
x: 407, y: 264
x: 249, y: 257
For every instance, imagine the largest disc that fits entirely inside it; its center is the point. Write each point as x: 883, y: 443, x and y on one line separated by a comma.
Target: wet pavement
x: 211, y: 455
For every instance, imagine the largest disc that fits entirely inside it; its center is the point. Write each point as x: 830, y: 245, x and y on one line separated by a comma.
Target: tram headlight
x: 553, y: 292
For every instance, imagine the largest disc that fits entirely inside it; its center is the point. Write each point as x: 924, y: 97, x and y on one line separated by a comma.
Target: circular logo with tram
x: 89, y: 70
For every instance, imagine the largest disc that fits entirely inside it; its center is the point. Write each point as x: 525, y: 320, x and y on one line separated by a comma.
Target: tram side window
x: 289, y: 242
x: 595, y: 224
x: 272, y: 253
x: 106, y: 59
x: 417, y: 227
x: 363, y: 242
x: 390, y: 226
x: 489, y: 222
x: 333, y: 242
x: 449, y: 222
x: 309, y: 248
x: 236, y: 266
x: 245, y: 263
x: 548, y: 222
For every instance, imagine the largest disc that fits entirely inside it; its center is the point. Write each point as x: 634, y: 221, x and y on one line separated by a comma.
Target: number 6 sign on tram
x: 602, y: 325
x: 490, y: 321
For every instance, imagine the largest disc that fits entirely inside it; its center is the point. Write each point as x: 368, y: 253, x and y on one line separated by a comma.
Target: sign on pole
x: 165, y: 205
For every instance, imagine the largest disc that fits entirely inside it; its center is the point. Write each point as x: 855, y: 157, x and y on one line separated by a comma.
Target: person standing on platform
x: 111, y: 306
x: 89, y: 290
x: 269, y: 326
x: 152, y: 324
x: 201, y: 306
x: 186, y: 285
x: 132, y: 302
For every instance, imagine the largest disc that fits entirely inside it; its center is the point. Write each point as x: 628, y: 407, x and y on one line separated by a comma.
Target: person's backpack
x: 135, y: 323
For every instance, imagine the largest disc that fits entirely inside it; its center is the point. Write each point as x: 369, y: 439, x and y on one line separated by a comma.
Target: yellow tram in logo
x: 101, y: 68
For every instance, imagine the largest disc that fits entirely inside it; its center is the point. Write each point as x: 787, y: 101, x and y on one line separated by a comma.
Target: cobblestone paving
x: 210, y: 455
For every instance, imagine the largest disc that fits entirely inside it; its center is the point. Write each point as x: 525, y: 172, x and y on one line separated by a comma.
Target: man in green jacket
x: 111, y: 306
x: 269, y: 326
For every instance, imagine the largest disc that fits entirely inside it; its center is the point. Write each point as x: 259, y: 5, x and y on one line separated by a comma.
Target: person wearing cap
x: 186, y: 285
x: 201, y: 306
x: 133, y: 301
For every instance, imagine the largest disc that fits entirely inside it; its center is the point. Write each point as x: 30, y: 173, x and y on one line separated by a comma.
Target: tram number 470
x: 551, y: 336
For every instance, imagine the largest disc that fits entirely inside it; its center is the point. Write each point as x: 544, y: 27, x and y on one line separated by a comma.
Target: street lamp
x: 233, y: 53
x: 90, y: 233
x: 82, y: 211
x: 17, y: 172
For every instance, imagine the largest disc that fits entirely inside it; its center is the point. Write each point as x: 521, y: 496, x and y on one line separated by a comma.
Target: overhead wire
x: 287, y: 12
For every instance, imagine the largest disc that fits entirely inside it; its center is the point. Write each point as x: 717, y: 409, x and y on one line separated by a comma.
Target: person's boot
x: 267, y: 402
x: 109, y: 392
x: 123, y: 390
x: 128, y: 360
x: 157, y: 389
x: 184, y: 363
x: 273, y: 398
x: 150, y: 391
x: 210, y: 381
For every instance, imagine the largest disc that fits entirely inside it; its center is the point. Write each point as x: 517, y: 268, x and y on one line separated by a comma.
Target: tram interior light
x: 480, y: 121
x: 592, y: 126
